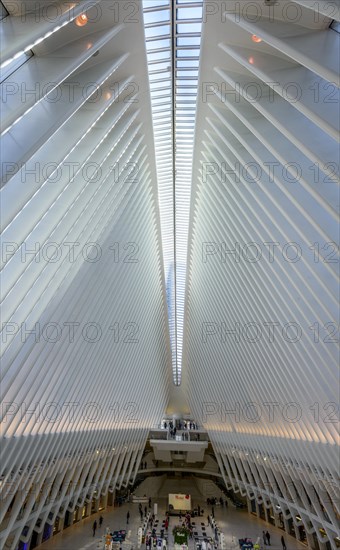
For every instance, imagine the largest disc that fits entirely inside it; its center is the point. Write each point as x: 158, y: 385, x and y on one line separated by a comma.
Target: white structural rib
x: 85, y: 340
x: 262, y: 311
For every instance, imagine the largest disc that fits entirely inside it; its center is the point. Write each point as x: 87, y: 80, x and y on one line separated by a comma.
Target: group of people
x: 266, y: 537
x: 95, y: 525
x: 207, y: 545
x: 143, y: 465
x: 187, y: 425
x: 140, y: 508
x: 266, y: 540
x: 172, y: 430
x: 187, y: 523
x: 152, y: 540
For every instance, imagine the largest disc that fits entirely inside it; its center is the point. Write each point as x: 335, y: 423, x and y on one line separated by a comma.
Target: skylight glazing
x: 173, y: 37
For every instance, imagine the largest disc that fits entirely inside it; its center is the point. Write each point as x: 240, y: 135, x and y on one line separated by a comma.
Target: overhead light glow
x: 256, y: 39
x: 81, y: 20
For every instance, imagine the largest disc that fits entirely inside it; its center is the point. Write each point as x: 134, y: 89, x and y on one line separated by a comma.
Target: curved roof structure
x: 169, y: 211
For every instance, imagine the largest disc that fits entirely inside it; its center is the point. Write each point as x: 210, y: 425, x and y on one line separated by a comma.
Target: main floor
x: 234, y: 523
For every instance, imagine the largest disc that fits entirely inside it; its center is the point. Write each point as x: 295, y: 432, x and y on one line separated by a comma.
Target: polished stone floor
x: 234, y: 523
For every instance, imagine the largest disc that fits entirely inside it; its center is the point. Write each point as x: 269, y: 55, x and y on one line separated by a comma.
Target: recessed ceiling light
x: 81, y: 20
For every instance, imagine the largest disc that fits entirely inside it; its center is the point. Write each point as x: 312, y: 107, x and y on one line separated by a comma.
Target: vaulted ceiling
x: 169, y: 210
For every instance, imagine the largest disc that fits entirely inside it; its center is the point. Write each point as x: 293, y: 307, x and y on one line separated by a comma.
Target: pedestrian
x: 145, y: 510
x: 283, y: 543
x: 149, y: 502
x: 212, y: 512
x: 127, y: 517
x: 94, y: 527
x: 101, y: 521
x: 264, y: 537
x: 208, y: 520
x: 268, y: 538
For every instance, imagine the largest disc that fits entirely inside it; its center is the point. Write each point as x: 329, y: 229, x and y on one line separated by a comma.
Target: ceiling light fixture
x: 81, y: 20
x: 256, y: 39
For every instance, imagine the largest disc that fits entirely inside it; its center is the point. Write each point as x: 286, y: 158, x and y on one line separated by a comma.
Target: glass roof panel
x: 159, y: 30
x: 159, y: 75
x: 159, y: 66
x: 147, y: 4
x: 173, y: 138
x: 188, y: 41
x: 188, y: 53
x: 187, y: 63
x: 184, y: 28
x: 192, y: 12
x: 155, y: 44
x: 156, y: 16
x: 193, y: 72
x: 158, y: 56
x: 182, y: 82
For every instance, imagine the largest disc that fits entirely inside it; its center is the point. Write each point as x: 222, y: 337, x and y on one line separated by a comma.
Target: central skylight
x: 173, y: 38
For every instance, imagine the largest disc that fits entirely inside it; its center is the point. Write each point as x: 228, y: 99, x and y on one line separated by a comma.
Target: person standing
x: 268, y: 538
x: 127, y: 518
x: 149, y: 502
x: 94, y: 527
x: 264, y: 537
x: 283, y: 543
x: 101, y: 521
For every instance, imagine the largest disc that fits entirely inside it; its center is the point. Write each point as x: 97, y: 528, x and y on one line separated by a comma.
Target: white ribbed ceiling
x: 261, y: 341
x: 169, y: 165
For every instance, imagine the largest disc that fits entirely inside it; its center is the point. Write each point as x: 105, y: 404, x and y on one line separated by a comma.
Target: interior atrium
x: 169, y: 271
